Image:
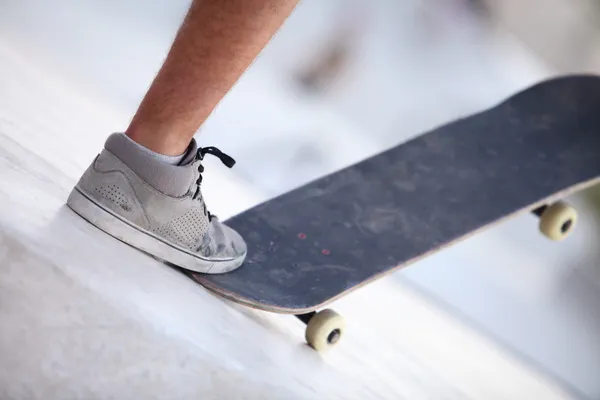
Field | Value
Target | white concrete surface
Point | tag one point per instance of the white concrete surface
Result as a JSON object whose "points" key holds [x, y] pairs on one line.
{"points": [[85, 316]]}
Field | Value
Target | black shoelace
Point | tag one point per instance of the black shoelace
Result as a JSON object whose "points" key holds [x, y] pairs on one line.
{"points": [[225, 159]]}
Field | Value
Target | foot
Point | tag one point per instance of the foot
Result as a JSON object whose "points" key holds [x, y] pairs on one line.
{"points": [[156, 207]]}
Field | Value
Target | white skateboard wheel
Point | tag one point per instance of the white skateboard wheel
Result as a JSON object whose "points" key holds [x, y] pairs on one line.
{"points": [[558, 221], [324, 330]]}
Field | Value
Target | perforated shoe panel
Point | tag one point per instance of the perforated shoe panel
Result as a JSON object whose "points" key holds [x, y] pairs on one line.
{"points": [[187, 229], [115, 195]]}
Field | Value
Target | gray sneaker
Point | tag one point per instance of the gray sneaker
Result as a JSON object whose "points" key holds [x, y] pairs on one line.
{"points": [[156, 207]]}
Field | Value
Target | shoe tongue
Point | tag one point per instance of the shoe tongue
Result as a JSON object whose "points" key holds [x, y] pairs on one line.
{"points": [[190, 154]]}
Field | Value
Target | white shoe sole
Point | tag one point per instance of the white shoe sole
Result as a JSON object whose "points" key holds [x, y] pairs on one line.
{"points": [[116, 226]]}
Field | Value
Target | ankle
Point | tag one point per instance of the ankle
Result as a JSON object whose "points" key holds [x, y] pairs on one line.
{"points": [[167, 159], [158, 142], [173, 180]]}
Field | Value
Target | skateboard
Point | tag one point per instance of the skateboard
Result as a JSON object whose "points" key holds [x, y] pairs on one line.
{"points": [[321, 241]]}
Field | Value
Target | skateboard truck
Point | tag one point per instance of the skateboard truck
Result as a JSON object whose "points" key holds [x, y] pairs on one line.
{"points": [[557, 220], [324, 329]]}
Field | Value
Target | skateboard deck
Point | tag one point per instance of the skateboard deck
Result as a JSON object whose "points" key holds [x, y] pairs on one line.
{"points": [[322, 240]]}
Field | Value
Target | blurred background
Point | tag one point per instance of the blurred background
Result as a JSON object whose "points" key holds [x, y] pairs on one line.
{"points": [[345, 79]]}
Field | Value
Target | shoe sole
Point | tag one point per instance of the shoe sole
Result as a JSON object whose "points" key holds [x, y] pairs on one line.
{"points": [[117, 227]]}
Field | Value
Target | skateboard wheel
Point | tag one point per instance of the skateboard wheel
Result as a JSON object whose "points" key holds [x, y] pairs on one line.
{"points": [[558, 220], [324, 330]]}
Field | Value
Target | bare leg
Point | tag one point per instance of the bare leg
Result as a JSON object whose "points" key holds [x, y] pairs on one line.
{"points": [[216, 43]]}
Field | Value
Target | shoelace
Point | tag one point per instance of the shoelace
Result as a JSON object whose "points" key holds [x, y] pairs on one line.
{"points": [[225, 159]]}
